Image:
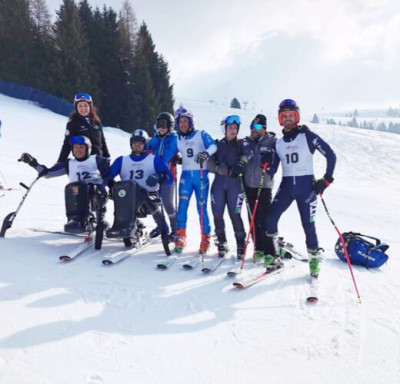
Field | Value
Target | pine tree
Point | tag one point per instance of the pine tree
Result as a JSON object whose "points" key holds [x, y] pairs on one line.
{"points": [[72, 52], [16, 42], [146, 106], [235, 103], [315, 119]]}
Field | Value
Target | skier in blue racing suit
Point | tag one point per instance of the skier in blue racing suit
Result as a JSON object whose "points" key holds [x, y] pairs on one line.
{"points": [[295, 151], [195, 147]]}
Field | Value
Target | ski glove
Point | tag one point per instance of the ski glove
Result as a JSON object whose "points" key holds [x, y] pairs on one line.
{"points": [[236, 170], [243, 160], [202, 157], [28, 159], [152, 180], [321, 184], [267, 157]]}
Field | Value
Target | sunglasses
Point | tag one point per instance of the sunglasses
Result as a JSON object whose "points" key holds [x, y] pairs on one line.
{"points": [[77, 140], [82, 97], [233, 119], [257, 127]]}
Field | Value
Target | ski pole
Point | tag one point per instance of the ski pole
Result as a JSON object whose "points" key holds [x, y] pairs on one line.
{"points": [[8, 220], [343, 245], [201, 210], [254, 214], [247, 206], [164, 234]]}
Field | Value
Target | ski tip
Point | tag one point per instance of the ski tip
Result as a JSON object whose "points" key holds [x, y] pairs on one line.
{"points": [[231, 274], [187, 266], [65, 258], [107, 262], [206, 270], [237, 285], [312, 299], [161, 266]]}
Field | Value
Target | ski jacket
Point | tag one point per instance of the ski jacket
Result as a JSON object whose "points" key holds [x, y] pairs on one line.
{"points": [[227, 155], [253, 150], [82, 126], [165, 147], [139, 168], [295, 151]]}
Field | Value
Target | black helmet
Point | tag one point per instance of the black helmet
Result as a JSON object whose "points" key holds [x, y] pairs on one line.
{"points": [[165, 120], [288, 105]]}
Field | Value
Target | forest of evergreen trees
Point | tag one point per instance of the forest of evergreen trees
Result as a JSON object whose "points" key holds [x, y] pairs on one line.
{"points": [[86, 50]]}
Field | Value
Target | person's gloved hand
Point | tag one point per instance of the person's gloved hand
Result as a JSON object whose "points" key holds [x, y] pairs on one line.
{"points": [[321, 184], [152, 180], [202, 157], [28, 159], [267, 158]]}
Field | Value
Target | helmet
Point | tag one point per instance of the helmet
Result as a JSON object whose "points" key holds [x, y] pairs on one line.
{"points": [[83, 97], [289, 105], [231, 119], [166, 120], [139, 135], [82, 140], [183, 112]]}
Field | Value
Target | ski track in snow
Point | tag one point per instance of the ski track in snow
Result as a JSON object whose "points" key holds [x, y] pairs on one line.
{"points": [[134, 323]]}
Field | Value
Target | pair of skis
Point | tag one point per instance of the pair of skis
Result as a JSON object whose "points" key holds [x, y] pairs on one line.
{"points": [[110, 257], [193, 262]]}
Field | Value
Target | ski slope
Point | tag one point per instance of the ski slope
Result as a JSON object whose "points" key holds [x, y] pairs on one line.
{"points": [[131, 323]]}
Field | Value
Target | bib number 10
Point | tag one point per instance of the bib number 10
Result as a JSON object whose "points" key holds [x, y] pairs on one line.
{"points": [[292, 158]]}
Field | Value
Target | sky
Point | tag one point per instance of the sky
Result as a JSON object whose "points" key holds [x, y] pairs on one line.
{"points": [[326, 55]]}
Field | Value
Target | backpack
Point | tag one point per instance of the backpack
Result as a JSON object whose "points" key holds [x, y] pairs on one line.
{"points": [[361, 251]]}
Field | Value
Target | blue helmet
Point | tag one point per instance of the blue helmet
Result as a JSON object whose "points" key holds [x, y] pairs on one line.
{"points": [[183, 112]]}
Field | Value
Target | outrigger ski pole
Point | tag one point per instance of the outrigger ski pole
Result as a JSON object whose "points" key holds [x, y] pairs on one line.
{"points": [[8, 220]]}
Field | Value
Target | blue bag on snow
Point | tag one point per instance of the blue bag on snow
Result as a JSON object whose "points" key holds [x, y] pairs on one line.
{"points": [[361, 251]]}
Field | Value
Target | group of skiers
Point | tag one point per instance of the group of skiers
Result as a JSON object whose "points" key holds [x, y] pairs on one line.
{"points": [[244, 172]]}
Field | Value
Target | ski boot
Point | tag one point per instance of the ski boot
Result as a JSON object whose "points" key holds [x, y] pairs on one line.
{"points": [[258, 255], [240, 240], [272, 263], [180, 240], [222, 245], [314, 259], [204, 244]]}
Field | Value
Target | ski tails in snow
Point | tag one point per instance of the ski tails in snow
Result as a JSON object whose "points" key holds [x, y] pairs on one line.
{"points": [[78, 251]]}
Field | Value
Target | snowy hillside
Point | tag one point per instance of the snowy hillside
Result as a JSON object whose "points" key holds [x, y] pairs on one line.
{"points": [[131, 323]]}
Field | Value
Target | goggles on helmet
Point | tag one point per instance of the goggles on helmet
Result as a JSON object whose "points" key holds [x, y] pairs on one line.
{"points": [[233, 119], [82, 97], [289, 104], [162, 123], [77, 140]]}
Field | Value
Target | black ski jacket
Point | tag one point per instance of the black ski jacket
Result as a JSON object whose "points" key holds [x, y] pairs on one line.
{"points": [[82, 126]]}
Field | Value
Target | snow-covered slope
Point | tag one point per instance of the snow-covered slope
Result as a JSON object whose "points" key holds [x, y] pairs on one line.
{"points": [[85, 323]]}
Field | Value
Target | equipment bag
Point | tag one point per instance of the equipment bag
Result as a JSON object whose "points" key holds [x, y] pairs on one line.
{"points": [[361, 251]]}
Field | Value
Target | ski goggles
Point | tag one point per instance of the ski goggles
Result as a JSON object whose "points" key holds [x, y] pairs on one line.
{"points": [[77, 140], [82, 97], [288, 103], [162, 123], [257, 127], [232, 119]]}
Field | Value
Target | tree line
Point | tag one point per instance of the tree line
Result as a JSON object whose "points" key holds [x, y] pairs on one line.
{"points": [[87, 50]]}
